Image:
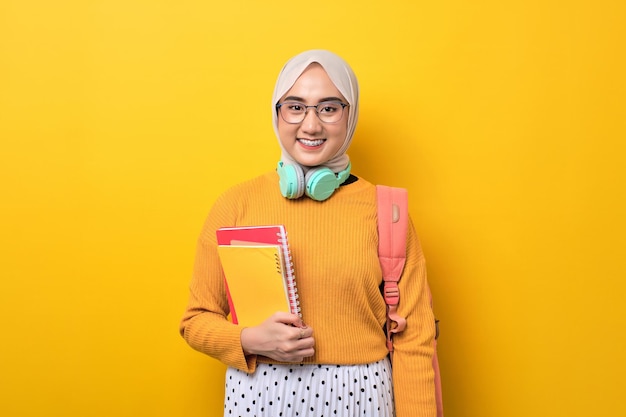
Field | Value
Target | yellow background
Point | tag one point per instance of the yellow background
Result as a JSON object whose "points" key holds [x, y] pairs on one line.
{"points": [[121, 121]]}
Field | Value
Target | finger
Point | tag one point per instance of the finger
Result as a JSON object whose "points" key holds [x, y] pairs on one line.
{"points": [[306, 332], [306, 353], [288, 318], [302, 333], [298, 334]]}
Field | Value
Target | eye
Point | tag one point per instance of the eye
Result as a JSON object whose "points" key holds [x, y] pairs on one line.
{"points": [[294, 106], [329, 107]]}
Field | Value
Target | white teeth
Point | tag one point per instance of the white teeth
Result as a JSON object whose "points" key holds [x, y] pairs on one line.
{"points": [[308, 142]]}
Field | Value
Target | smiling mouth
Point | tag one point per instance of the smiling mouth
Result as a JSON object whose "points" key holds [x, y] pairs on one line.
{"points": [[312, 142]]}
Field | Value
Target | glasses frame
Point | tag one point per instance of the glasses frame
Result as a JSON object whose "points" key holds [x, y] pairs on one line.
{"points": [[306, 110]]}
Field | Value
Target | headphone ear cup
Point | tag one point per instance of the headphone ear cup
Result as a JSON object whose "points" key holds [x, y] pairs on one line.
{"points": [[321, 183], [291, 180]]}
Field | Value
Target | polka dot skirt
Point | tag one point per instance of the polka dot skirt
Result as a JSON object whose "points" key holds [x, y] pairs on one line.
{"points": [[310, 390]]}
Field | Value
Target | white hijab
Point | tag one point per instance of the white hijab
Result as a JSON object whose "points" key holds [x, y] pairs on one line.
{"points": [[344, 79]]}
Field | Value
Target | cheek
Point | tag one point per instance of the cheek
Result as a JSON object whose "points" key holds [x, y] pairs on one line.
{"points": [[286, 133], [339, 133]]}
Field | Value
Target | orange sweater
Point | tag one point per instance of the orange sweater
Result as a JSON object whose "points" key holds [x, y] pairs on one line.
{"points": [[334, 245]]}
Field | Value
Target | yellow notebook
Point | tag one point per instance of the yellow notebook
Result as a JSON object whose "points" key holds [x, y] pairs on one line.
{"points": [[256, 283]]}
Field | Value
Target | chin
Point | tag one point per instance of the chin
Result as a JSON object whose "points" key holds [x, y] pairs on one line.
{"points": [[308, 162]]}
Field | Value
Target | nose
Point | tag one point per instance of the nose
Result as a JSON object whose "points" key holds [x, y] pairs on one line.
{"points": [[311, 122]]}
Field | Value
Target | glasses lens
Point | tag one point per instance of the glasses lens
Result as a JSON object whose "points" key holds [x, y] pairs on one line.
{"points": [[292, 111], [330, 111]]}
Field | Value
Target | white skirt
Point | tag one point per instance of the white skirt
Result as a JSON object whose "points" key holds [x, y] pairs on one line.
{"points": [[310, 390]]}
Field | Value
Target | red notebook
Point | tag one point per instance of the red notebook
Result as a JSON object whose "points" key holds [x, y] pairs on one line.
{"points": [[263, 236]]}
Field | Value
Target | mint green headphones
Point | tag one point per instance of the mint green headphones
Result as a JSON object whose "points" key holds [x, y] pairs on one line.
{"points": [[318, 183]]}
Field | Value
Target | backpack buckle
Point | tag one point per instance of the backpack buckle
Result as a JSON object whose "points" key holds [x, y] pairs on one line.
{"points": [[391, 293]]}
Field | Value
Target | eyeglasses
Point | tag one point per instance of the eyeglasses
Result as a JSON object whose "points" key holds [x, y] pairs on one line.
{"points": [[294, 112]]}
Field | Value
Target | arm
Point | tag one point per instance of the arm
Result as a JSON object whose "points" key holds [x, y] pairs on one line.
{"points": [[205, 326]]}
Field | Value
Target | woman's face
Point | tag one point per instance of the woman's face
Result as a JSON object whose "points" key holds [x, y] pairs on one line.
{"points": [[313, 142]]}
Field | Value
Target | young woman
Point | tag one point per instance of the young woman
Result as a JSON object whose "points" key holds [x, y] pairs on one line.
{"points": [[337, 363]]}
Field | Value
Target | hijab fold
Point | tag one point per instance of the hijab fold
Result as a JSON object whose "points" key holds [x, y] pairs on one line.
{"points": [[344, 79]]}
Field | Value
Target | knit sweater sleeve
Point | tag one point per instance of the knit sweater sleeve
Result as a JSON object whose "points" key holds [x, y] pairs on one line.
{"points": [[205, 325], [413, 375]]}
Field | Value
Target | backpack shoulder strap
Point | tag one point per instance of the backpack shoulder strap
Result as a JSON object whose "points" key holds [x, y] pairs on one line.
{"points": [[393, 218], [392, 229]]}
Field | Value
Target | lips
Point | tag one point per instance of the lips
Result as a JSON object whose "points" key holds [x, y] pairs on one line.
{"points": [[311, 143]]}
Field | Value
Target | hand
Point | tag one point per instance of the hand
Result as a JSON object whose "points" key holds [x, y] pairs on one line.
{"points": [[282, 337]]}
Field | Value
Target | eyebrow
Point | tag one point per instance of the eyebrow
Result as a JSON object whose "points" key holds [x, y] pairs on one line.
{"points": [[300, 99]]}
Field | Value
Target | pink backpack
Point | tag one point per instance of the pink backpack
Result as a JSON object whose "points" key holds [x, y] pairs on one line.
{"points": [[393, 216]]}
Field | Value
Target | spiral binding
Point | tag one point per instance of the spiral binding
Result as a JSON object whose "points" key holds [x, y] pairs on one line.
{"points": [[292, 290], [278, 265]]}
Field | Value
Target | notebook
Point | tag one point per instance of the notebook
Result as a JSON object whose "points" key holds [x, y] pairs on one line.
{"points": [[259, 236], [256, 283]]}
